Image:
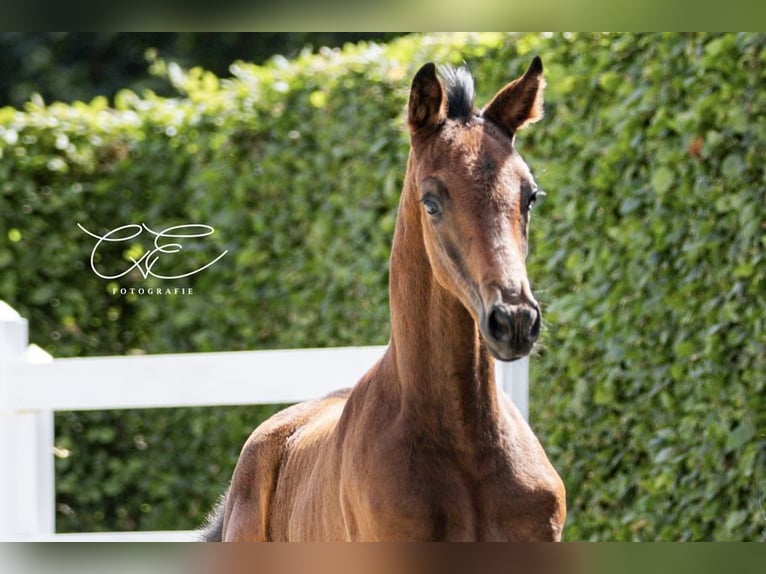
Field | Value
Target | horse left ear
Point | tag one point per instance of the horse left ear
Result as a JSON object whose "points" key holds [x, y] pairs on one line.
{"points": [[426, 105], [519, 103]]}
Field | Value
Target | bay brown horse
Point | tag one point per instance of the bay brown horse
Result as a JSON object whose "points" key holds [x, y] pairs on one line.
{"points": [[425, 446]]}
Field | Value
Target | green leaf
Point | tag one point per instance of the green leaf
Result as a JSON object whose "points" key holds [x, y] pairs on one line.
{"points": [[740, 436], [603, 393], [735, 519], [733, 165], [662, 179], [664, 455]]}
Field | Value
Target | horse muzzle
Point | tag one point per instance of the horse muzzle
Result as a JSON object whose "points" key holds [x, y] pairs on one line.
{"points": [[510, 330]]}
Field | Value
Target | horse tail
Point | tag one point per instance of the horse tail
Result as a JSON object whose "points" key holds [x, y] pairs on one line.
{"points": [[213, 529]]}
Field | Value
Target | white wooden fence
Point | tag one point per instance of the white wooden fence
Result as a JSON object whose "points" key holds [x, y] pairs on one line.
{"points": [[33, 385]]}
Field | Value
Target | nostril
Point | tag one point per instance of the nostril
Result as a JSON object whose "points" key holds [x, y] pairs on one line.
{"points": [[534, 332], [500, 324]]}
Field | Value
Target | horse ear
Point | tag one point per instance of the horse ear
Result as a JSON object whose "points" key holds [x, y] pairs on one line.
{"points": [[519, 103], [426, 106]]}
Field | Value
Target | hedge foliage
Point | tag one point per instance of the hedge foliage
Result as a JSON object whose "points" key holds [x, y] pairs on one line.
{"points": [[68, 66], [651, 252], [647, 253]]}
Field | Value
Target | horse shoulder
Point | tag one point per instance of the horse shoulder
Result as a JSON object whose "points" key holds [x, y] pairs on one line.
{"points": [[250, 513]]}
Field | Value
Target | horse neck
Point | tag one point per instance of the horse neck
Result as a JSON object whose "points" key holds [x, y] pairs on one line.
{"points": [[444, 372]]}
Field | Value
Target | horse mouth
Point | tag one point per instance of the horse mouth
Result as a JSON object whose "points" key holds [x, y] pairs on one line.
{"points": [[507, 355]]}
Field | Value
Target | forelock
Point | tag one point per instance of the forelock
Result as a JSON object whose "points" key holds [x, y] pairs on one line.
{"points": [[459, 86]]}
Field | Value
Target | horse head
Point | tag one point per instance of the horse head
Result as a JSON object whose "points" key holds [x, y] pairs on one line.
{"points": [[475, 195]]}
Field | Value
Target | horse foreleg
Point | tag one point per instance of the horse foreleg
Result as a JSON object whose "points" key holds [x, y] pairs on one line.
{"points": [[248, 503]]}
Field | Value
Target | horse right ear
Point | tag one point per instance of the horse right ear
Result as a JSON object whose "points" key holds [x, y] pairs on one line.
{"points": [[426, 106], [519, 103]]}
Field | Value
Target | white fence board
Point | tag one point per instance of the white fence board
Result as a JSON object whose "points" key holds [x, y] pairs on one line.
{"points": [[193, 379]]}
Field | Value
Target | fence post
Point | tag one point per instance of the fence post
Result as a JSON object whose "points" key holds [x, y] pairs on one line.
{"points": [[513, 378], [26, 445]]}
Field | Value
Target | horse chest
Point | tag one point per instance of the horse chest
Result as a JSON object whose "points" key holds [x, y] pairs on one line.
{"points": [[520, 504], [438, 496], [514, 508]]}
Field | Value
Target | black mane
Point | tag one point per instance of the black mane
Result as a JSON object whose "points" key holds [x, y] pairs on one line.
{"points": [[458, 83]]}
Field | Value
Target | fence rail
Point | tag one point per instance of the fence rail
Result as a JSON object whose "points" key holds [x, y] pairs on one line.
{"points": [[33, 385]]}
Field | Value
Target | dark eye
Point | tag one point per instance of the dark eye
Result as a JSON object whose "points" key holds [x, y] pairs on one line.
{"points": [[432, 205], [533, 195]]}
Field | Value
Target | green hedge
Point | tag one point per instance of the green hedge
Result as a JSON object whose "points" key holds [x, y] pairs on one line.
{"points": [[651, 255], [647, 253]]}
